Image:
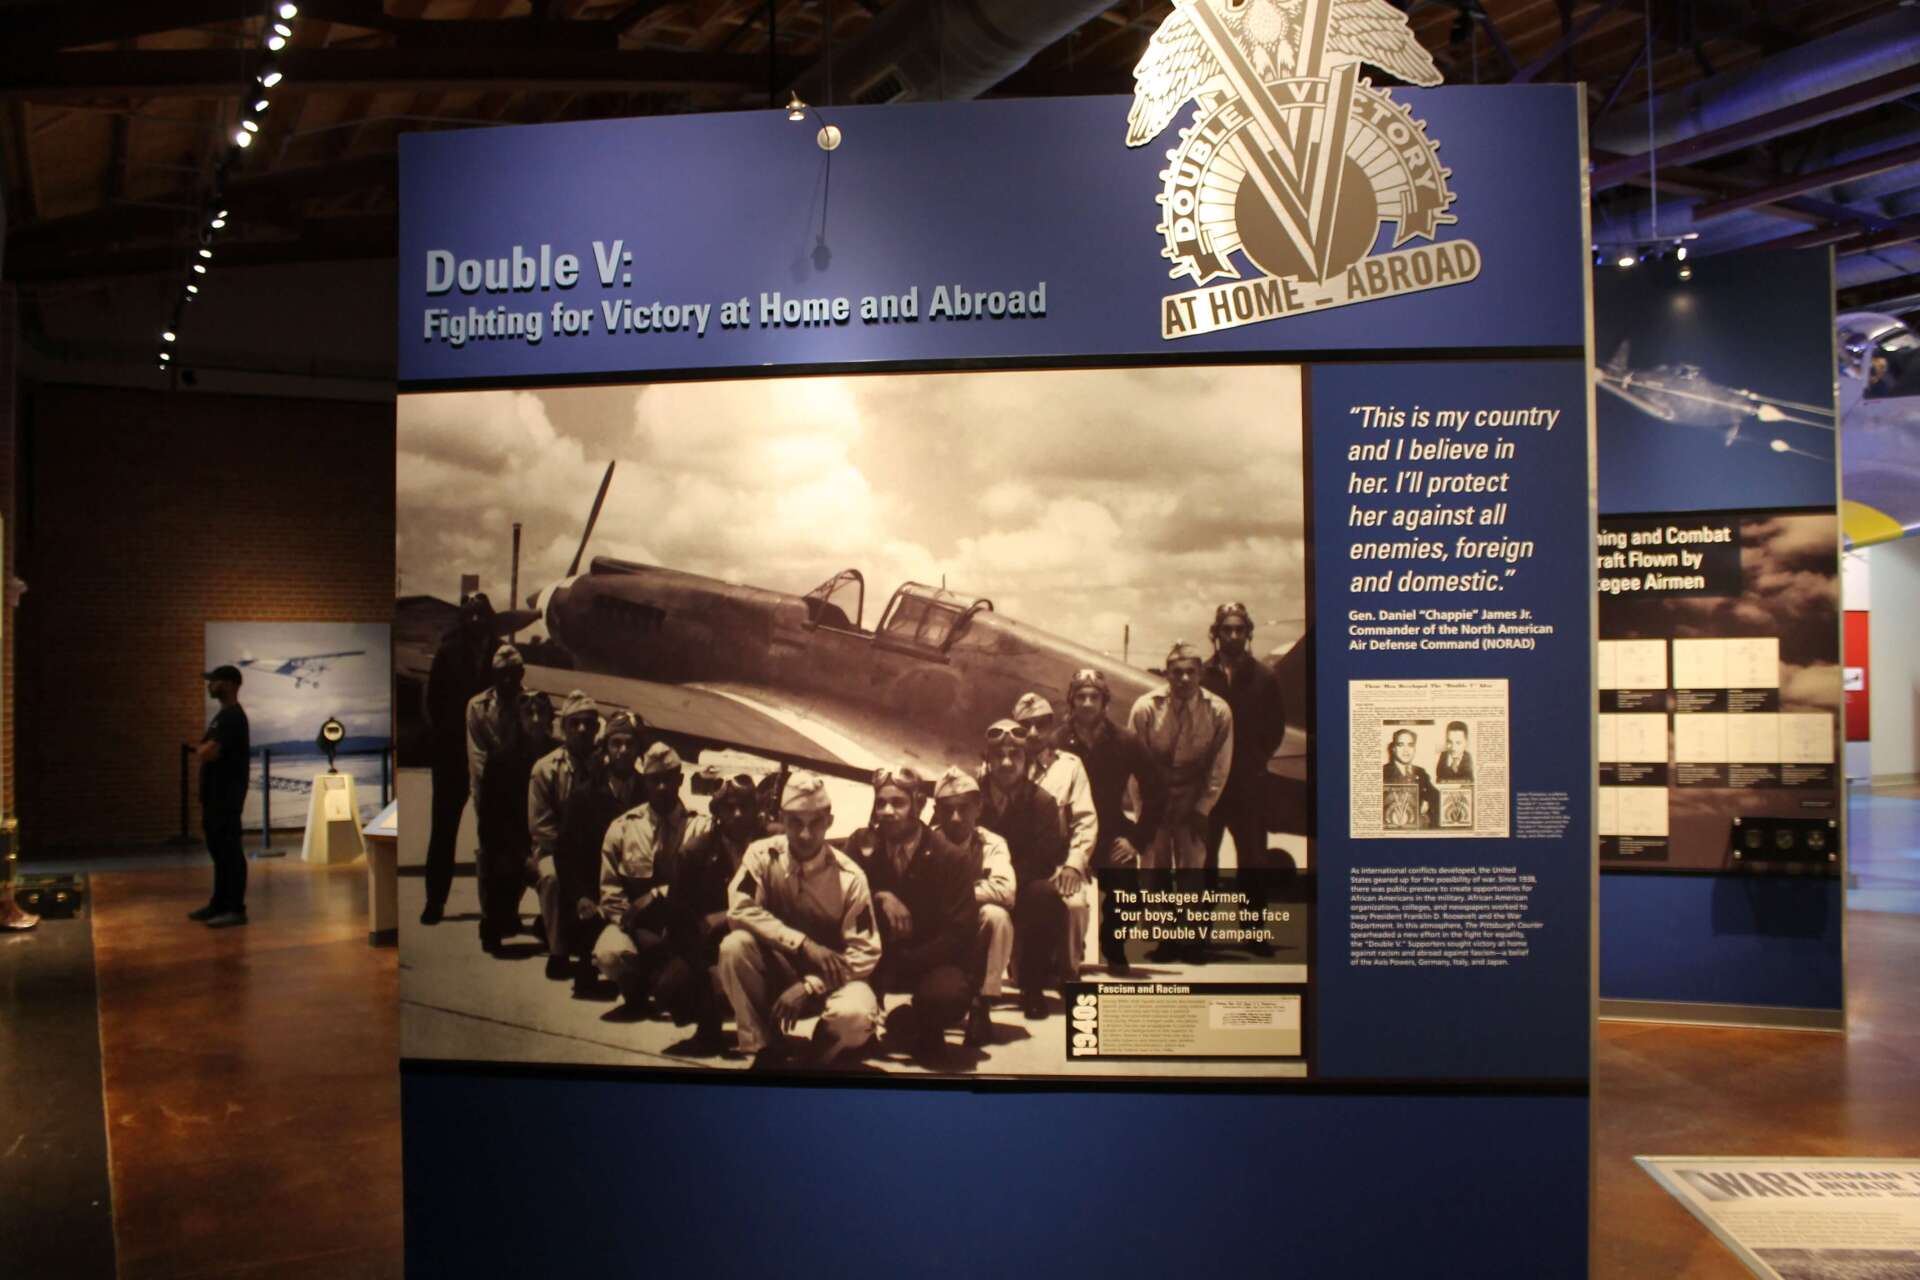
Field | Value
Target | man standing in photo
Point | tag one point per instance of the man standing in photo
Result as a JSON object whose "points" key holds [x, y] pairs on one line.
{"points": [[461, 670], [223, 791], [557, 777]]}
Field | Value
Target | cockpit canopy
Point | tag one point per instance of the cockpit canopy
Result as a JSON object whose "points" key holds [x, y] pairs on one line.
{"points": [[1882, 354], [918, 616]]}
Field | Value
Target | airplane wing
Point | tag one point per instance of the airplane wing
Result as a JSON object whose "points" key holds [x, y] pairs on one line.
{"points": [[754, 720]]}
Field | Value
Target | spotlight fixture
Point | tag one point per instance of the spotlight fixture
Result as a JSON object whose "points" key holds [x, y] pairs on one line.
{"points": [[217, 223], [289, 11], [796, 109], [222, 215], [199, 268], [241, 138], [270, 75], [193, 289], [166, 335], [206, 253], [1780, 446], [1625, 260], [259, 106], [251, 126], [276, 42], [1681, 253], [282, 30], [1686, 273], [166, 355]]}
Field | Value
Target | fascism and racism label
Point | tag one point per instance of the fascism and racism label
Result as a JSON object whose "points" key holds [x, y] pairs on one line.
{"points": [[1292, 161]]}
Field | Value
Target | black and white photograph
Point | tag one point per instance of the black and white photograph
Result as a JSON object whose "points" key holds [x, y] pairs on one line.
{"points": [[809, 724], [1429, 758], [295, 676]]}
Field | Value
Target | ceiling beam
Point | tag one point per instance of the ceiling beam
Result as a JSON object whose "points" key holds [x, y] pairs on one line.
{"points": [[62, 24], [369, 236], [151, 73], [1772, 124], [1565, 43], [1866, 167]]}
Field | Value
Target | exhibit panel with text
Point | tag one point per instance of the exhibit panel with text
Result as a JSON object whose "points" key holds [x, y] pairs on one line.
{"points": [[830, 463]]}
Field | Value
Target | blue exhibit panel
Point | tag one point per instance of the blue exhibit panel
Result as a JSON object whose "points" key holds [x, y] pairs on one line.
{"points": [[1739, 940], [702, 210], [513, 1175], [1528, 1016]]}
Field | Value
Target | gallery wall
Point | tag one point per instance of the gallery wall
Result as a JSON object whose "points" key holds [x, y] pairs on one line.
{"points": [[144, 516]]}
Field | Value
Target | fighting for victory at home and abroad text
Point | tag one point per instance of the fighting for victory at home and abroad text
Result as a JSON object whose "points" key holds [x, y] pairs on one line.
{"points": [[610, 265]]}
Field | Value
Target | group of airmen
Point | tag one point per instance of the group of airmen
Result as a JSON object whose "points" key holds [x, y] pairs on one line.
{"points": [[750, 911]]}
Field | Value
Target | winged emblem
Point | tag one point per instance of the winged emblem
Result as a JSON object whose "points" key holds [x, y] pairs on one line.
{"points": [[1178, 63]]}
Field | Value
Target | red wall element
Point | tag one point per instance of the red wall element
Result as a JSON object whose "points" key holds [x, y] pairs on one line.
{"points": [[1854, 658]]}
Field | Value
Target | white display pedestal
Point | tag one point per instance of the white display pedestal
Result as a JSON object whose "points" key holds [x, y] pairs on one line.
{"points": [[383, 884], [333, 822]]}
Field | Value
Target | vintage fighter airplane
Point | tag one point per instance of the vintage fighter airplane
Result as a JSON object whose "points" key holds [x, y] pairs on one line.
{"points": [[304, 669], [800, 679], [1879, 427], [1682, 393]]}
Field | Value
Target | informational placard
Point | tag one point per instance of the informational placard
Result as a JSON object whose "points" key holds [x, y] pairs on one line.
{"points": [[1720, 683], [1793, 1218]]}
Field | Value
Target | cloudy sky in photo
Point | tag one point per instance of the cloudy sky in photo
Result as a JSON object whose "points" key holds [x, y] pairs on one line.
{"points": [[1080, 502]]}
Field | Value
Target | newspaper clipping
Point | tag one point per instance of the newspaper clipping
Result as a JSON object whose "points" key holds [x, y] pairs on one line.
{"points": [[1428, 758], [1836, 1218]]}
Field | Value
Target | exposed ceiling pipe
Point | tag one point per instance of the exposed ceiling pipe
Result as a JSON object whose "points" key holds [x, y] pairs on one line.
{"points": [[927, 50], [1876, 47]]}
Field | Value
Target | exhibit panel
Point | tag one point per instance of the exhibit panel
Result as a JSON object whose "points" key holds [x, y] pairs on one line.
{"points": [[1720, 671], [980, 706]]}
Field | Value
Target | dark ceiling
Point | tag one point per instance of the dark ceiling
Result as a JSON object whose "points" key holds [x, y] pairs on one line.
{"points": [[1777, 121]]}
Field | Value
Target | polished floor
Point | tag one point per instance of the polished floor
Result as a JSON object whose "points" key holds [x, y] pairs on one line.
{"points": [[251, 1080], [251, 1098]]}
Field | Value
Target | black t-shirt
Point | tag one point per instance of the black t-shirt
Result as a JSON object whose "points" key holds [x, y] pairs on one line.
{"points": [[223, 782]]}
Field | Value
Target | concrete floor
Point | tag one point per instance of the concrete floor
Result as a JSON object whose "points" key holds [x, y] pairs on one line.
{"points": [[252, 1101]]}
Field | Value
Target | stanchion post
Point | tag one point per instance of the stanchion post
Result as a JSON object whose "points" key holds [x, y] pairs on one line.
{"points": [[186, 829]]}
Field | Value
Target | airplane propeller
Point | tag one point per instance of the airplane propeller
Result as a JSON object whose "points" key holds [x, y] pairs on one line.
{"points": [[593, 518]]}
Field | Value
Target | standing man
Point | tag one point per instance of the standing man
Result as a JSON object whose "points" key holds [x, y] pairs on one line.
{"points": [[1112, 759], [636, 874], [612, 786], [461, 670], [956, 815], [804, 939], [1252, 692], [1456, 762], [922, 887], [1401, 770], [1027, 818], [1187, 737], [500, 756], [223, 753], [557, 777], [1062, 775]]}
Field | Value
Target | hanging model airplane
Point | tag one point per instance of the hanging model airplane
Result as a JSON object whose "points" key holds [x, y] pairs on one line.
{"points": [[304, 669], [1879, 371], [1682, 393], [799, 678]]}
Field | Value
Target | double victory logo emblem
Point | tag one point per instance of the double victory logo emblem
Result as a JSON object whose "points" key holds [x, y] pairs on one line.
{"points": [[1292, 161]]}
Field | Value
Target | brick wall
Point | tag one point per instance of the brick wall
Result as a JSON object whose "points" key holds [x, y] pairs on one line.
{"points": [[145, 516], [9, 310]]}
